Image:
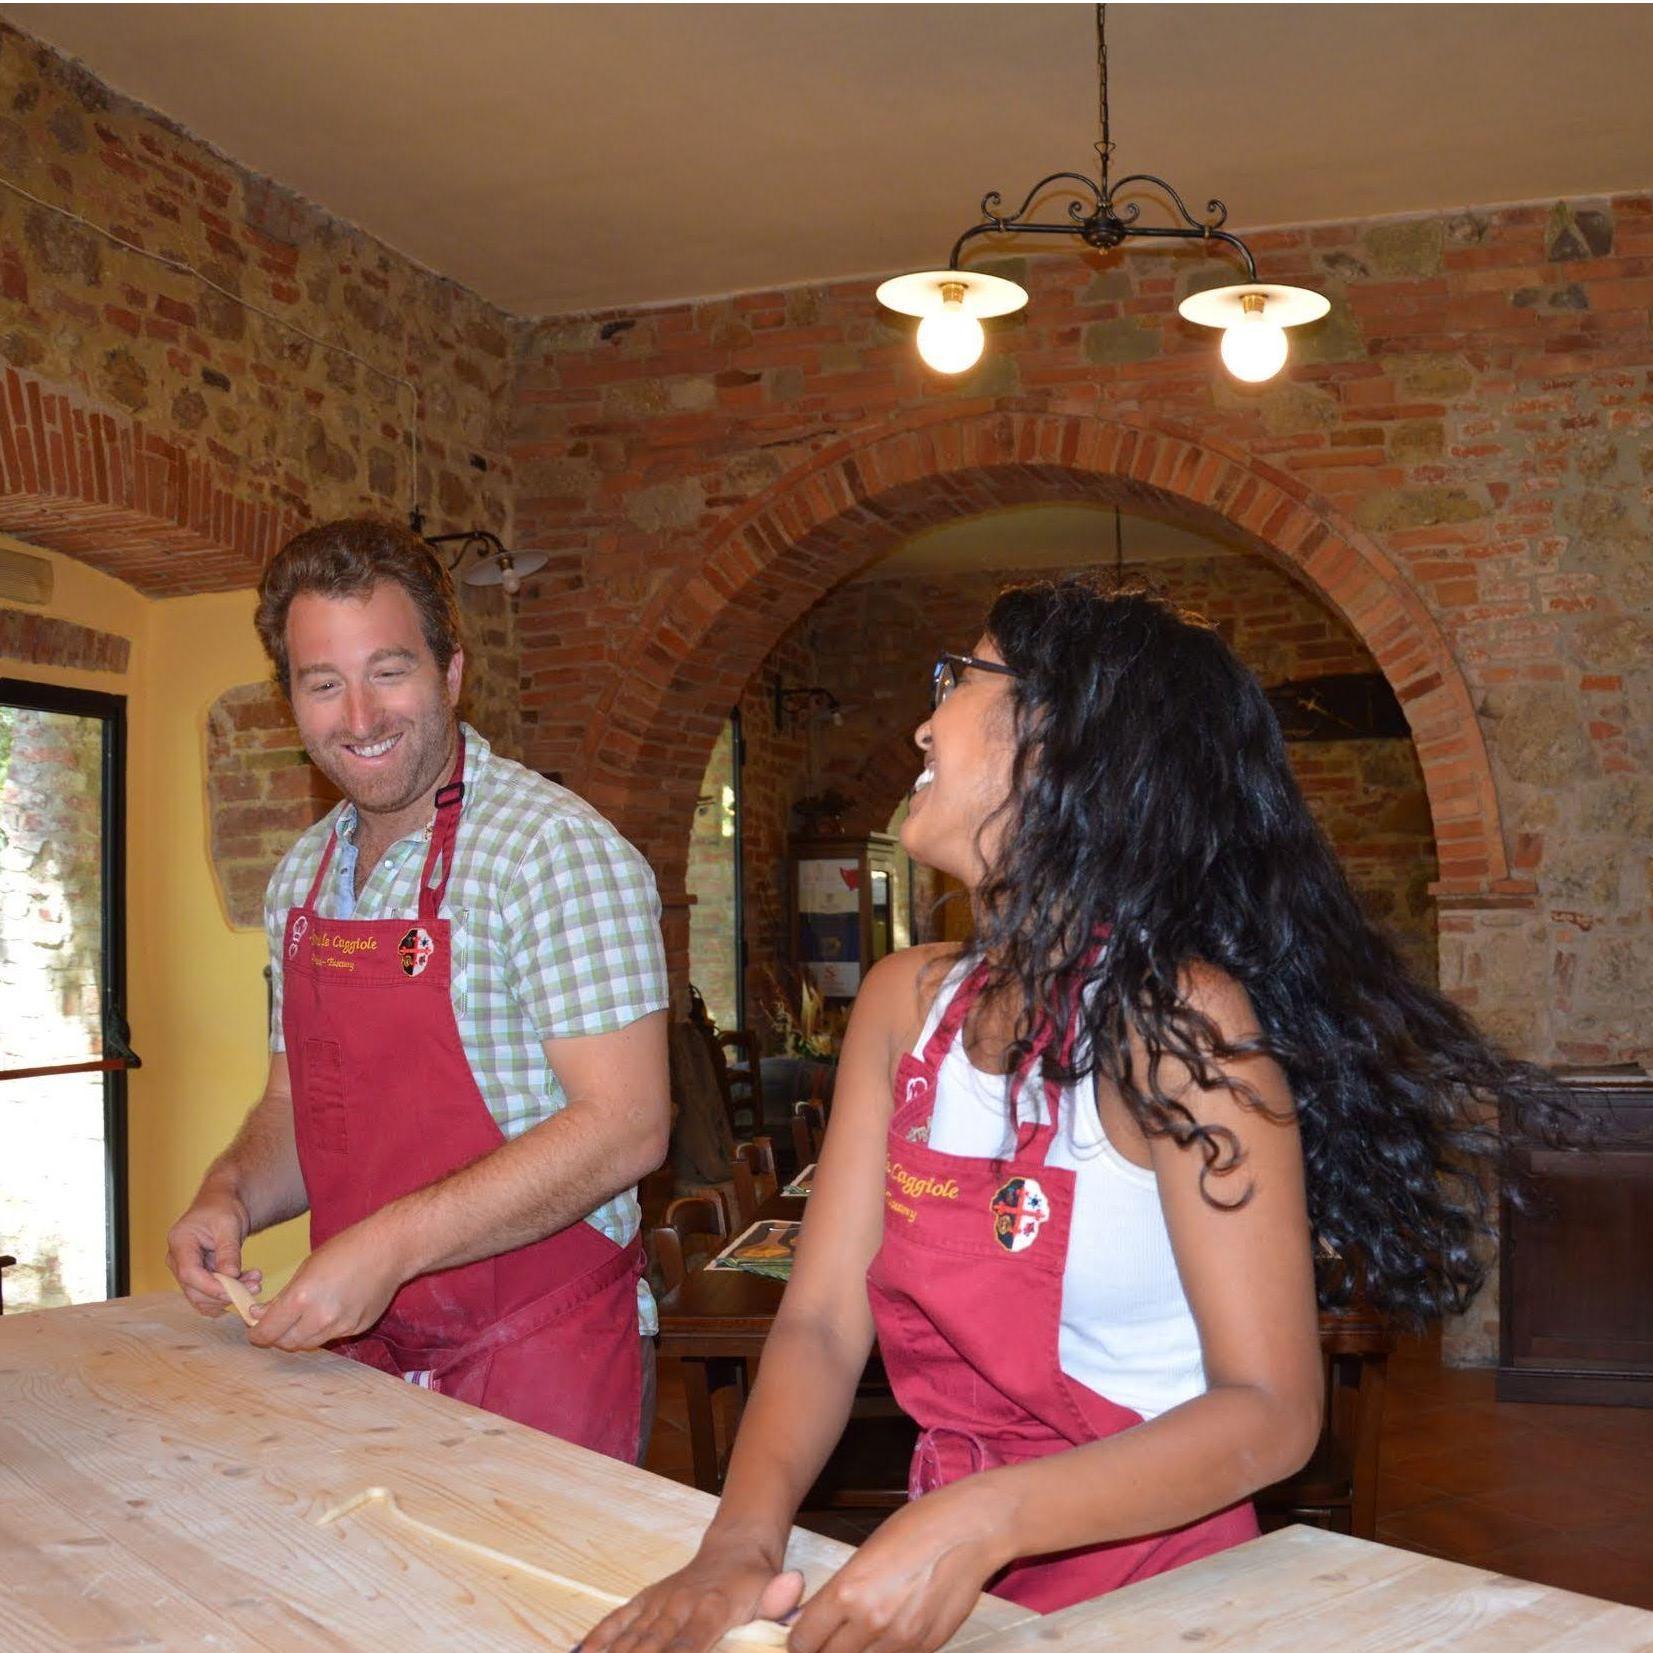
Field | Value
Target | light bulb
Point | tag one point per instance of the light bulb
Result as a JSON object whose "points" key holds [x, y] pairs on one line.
{"points": [[1254, 349], [509, 578], [950, 339]]}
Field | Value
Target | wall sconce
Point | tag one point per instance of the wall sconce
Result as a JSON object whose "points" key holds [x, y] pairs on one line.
{"points": [[807, 700], [495, 564]]}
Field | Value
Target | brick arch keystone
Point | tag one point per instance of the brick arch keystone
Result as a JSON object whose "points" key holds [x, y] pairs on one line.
{"points": [[706, 633]]}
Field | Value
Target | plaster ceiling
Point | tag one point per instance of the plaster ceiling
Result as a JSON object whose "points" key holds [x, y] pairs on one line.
{"points": [[563, 157], [1045, 537]]}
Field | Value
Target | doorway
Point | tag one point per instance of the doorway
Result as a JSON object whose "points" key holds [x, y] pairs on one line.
{"points": [[64, 1053]]}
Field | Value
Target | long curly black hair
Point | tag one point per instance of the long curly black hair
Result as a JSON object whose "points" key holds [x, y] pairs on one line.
{"points": [[1152, 794]]}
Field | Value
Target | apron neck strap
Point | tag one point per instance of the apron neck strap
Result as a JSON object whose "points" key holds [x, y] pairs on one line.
{"points": [[952, 1018], [321, 871], [1028, 1132], [450, 799]]}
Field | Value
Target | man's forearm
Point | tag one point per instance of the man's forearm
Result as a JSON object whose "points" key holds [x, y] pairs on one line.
{"points": [[260, 1167], [554, 1174]]}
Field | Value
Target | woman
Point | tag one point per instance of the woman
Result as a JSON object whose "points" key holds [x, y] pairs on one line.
{"points": [[1077, 1173]]}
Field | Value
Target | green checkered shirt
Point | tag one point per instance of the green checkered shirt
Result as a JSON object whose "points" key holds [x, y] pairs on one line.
{"points": [[556, 935]]}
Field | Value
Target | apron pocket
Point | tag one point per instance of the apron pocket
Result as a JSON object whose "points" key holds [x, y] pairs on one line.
{"points": [[322, 1088]]}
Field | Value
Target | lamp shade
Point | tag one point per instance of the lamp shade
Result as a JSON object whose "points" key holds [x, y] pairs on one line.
{"points": [[924, 293], [508, 569], [1225, 306]]}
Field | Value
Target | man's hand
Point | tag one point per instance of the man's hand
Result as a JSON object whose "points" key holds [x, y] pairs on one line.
{"points": [[208, 1237], [340, 1289]]}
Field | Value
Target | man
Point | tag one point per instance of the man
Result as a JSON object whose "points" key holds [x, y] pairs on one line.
{"points": [[468, 1055]]}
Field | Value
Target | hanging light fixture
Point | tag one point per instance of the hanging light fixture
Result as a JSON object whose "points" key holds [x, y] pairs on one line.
{"points": [[494, 564], [952, 303]]}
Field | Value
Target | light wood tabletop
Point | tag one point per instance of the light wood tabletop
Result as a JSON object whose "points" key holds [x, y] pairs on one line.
{"points": [[161, 1483], [1303, 1591]]}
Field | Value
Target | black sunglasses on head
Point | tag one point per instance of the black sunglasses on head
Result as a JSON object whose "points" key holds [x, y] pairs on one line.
{"points": [[950, 668]]}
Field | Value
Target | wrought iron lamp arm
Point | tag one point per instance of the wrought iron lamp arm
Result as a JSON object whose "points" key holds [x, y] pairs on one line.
{"points": [[1104, 226], [491, 544]]}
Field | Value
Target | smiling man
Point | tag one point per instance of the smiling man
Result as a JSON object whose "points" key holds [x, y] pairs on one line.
{"points": [[468, 1057]]}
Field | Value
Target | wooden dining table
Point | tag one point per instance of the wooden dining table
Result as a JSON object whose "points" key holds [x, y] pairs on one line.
{"points": [[715, 1322]]}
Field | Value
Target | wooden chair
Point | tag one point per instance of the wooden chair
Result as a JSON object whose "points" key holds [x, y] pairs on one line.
{"points": [[754, 1176], [695, 1228], [743, 1072], [808, 1132], [868, 1467], [1337, 1488], [5, 1263]]}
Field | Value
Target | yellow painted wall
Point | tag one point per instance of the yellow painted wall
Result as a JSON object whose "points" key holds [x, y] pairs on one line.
{"points": [[195, 986]]}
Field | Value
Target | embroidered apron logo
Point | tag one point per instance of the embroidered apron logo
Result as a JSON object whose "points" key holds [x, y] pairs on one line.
{"points": [[415, 950], [336, 950], [300, 925], [1019, 1212], [915, 1188], [916, 1087]]}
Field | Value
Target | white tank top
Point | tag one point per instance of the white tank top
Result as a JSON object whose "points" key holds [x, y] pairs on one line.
{"points": [[1127, 1331]]}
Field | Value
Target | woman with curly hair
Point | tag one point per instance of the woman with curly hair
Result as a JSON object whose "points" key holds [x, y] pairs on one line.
{"points": [[1079, 1170]]}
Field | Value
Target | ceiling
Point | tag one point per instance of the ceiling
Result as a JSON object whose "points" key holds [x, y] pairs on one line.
{"points": [[564, 157], [1044, 537]]}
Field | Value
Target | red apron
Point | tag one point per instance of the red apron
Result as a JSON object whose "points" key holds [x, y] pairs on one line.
{"points": [[384, 1103], [966, 1294]]}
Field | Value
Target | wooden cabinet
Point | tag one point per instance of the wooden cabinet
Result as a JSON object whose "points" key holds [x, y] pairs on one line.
{"points": [[849, 908], [1576, 1268]]}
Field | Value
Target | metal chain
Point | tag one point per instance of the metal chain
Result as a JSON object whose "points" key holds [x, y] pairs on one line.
{"points": [[1104, 148]]}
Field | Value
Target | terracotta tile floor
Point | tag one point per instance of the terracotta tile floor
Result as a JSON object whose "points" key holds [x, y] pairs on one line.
{"points": [[1559, 1494]]}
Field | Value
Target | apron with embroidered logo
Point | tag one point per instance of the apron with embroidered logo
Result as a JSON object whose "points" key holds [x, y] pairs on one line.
{"points": [[966, 1294], [385, 1103]]}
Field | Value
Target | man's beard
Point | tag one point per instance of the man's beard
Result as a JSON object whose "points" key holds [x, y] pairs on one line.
{"points": [[416, 765]]}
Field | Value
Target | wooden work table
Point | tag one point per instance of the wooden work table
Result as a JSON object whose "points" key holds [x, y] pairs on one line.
{"points": [[160, 1483], [161, 1480], [1302, 1590]]}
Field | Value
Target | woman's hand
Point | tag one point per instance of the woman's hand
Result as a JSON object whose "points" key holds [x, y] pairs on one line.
{"points": [[689, 1611], [914, 1582]]}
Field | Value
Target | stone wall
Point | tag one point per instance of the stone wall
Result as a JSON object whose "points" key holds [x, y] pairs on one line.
{"points": [[1456, 460], [233, 392], [172, 436]]}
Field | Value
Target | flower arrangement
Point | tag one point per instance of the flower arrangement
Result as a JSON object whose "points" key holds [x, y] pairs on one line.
{"points": [[812, 1031]]}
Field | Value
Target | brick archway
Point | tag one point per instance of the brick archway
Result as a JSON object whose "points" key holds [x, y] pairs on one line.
{"points": [[703, 636], [126, 498]]}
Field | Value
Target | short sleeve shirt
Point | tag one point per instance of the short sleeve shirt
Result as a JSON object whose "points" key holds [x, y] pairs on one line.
{"points": [[555, 925]]}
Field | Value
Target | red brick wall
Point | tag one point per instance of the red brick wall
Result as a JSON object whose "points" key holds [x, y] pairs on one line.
{"points": [[1455, 460], [262, 792], [778, 771], [41, 640]]}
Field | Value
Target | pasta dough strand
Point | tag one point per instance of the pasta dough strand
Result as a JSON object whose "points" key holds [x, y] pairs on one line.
{"points": [[238, 1295], [758, 1633]]}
